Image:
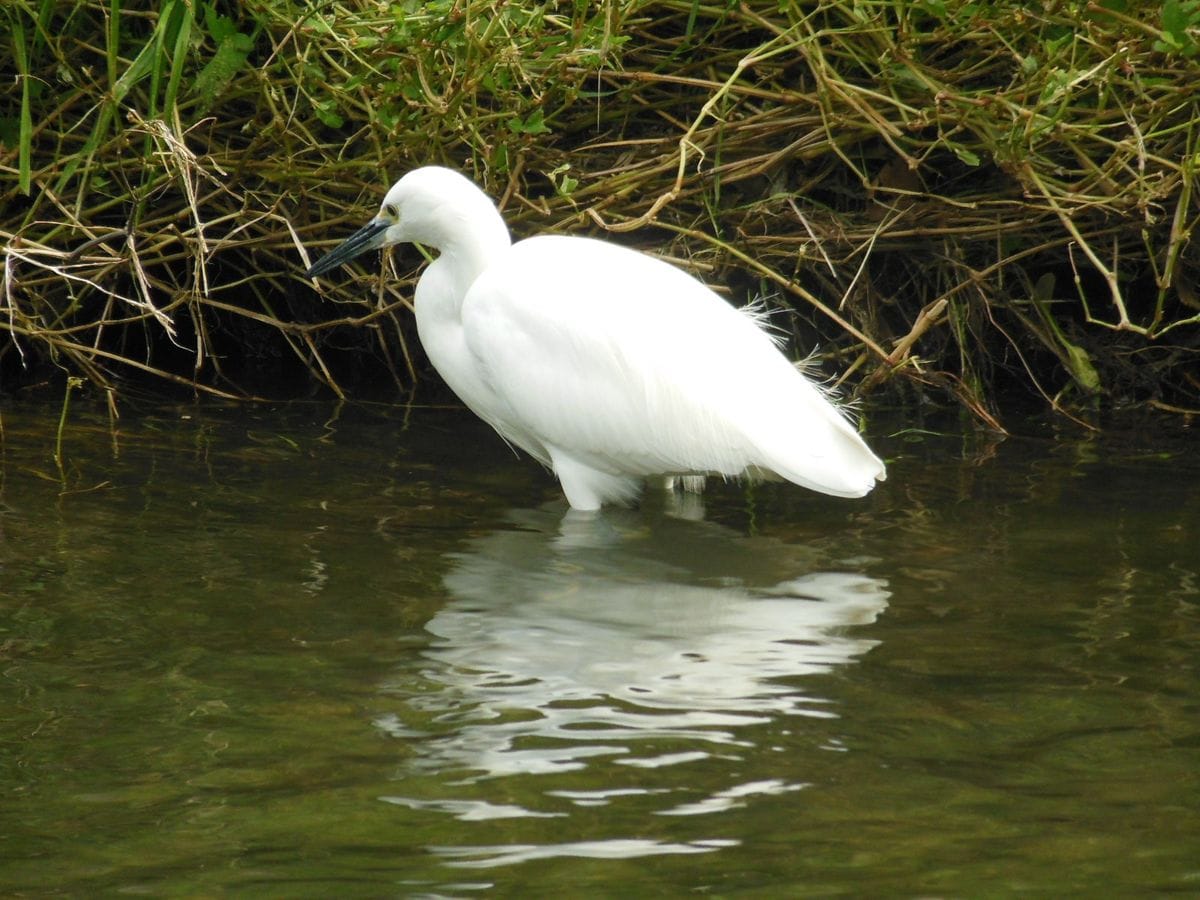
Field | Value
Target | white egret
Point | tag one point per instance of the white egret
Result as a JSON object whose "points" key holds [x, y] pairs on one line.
{"points": [[603, 363]]}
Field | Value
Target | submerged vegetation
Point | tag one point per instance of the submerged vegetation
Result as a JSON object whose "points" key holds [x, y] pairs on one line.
{"points": [[956, 198]]}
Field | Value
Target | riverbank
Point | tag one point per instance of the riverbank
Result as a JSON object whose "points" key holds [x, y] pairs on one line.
{"points": [[966, 206]]}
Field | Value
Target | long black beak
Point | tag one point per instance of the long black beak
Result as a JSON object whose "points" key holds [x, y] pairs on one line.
{"points": [[369, 237]]}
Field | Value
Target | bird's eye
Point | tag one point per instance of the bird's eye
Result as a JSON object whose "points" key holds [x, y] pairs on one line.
{"points": [[390, 211]]}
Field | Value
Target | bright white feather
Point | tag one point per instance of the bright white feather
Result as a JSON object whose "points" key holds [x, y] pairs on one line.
{"points": [[604, 363]]}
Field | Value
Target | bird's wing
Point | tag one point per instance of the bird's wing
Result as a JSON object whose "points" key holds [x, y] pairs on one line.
{"points": [[633, 366]]}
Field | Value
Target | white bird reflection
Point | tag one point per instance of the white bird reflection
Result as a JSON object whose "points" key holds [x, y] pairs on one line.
{"points": [[585, 637]]}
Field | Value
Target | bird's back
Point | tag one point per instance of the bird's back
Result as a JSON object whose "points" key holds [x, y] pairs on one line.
{"points": [[630, 366]]}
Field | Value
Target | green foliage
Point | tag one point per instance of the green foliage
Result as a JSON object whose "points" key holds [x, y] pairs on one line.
{"points": [[911, 175], [24, 131], [229, 61], [445, 75], [1179, 20]]}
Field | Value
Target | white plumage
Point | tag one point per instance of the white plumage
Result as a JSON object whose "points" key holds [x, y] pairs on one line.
{"points": [[606, 364]]}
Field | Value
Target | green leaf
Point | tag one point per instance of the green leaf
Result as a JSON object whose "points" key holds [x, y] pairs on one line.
{"points": [[534, 123], [328, 115], [1175, 22], [564, 184], [225, 65], [25, 126], [970, 157], [219, 27], [1079, 364], [1074, 358], [388, 117]]}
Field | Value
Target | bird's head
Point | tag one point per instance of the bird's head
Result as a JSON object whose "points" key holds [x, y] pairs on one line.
{"points": [[430, 205]]}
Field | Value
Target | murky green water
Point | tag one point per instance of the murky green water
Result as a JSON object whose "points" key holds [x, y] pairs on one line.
{"points": [[292, 652]]}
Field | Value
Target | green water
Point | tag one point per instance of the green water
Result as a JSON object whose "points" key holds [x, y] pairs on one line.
{"points": [[306, 651]]}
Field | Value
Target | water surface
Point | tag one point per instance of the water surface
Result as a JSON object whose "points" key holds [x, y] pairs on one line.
{"points": [[308, 650]]}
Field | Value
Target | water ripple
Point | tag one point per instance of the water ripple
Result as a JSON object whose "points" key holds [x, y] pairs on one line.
{"points": [[652, 644]]}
